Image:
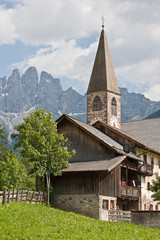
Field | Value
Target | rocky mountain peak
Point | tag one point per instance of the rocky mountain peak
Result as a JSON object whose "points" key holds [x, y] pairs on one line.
{"points": [[47, 79], [14, 79], [30, 77], [3, 82], [23, 94]]}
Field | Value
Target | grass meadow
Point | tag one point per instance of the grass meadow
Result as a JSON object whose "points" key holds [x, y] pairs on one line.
{"points": [[23, 221]]}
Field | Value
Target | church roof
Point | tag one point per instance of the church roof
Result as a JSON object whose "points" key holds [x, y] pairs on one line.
{"points": [[103, 76], [103, 165], [147, 130]]}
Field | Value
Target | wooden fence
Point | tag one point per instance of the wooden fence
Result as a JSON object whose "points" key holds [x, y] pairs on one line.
{"points": [[22, 195], [119, 216]]}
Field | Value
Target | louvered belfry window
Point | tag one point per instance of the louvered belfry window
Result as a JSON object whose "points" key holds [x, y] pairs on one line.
{"points": [[97, 105], [114, 107]]}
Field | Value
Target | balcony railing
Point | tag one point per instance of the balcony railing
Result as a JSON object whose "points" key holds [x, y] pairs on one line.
{"points": [[127, 191], [147, 169]]}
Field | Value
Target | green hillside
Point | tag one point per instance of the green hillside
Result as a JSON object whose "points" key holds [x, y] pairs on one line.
{"points": [[154, 115], [25, 221]]}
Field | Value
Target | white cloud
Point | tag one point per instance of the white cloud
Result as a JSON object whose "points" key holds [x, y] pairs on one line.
{"points": [[145, 72], [153, 92], [133, 31], [38, 22], [7, 28], [63, 59], [144, 76]]}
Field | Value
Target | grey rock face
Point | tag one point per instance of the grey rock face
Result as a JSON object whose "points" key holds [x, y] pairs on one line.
{"points": [[49, 93], [20, 95], [29, 85], [3, 82], [136, 106], [13, 99]]}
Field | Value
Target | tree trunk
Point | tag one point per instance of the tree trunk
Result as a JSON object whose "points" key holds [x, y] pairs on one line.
{"points": [[48, 188]]}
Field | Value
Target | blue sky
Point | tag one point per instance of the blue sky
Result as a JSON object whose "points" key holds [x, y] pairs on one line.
{"points": [[61, 36]]}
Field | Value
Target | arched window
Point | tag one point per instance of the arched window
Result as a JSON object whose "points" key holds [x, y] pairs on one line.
{"points": [[114, 107], [97, 105]]}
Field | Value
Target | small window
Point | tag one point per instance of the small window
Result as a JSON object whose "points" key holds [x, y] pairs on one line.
{"points": [[151, 207], [145, 207], [124, 207], [145, 158], [148, 186], [112, 204], [97, 105], [152, 161], [114, 107], [105, 204]]}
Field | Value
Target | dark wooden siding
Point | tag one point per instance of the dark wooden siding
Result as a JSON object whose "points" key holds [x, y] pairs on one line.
{"points": [[76, 183], [109, 183], [87, 147]]}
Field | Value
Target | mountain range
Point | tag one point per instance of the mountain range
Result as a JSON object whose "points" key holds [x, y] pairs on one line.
{"points": [[19, 95]]}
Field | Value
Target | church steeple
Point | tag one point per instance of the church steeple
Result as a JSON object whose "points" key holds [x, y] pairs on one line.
{"points": [[103, 90], [103, 76]]}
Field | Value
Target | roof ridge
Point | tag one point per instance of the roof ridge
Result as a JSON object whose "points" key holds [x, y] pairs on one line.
{"points": [[96, 133], [144, 119]]}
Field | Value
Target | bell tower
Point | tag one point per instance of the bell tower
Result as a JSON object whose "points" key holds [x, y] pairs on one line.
{"points": [[103, 94]]}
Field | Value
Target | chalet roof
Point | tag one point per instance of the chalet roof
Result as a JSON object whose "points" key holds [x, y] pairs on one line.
{"points": [[121, 132], [106, 140], [145, 133], [103, 165], [147, 130], [103, 76]]}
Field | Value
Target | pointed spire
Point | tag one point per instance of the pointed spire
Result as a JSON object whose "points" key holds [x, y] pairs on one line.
{"points": [[103, 76], [103, 22]]}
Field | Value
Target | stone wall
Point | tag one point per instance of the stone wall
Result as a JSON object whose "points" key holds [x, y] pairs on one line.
{"points": [[146, 218], [93, 116], [85, 204], [104, 114], [114, 121]]}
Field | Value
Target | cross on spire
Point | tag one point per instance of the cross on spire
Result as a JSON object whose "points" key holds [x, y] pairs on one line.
{"points": [[103, 21]]}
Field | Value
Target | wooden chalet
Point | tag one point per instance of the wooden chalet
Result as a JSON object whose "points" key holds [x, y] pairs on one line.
{"points": [[113, 167], [101, 176]]}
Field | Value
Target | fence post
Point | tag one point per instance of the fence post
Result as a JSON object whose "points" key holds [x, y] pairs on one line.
{"points": [[8, 199], [4, 197], [13, 194], [21, 195], [32, 196], [27, 195], [17, 195], [37, 198], [41, 197]]}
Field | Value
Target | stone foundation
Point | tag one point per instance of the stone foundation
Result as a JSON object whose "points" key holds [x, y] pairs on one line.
{"points": [[87, 204]]}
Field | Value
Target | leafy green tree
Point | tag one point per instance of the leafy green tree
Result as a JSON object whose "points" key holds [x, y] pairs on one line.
{"points": [[156, 188], [40, 144], [3, 142], [11, 171]]}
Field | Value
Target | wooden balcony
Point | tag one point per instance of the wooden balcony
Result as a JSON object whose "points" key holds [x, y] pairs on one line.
{"points": [[129, 192], [147, 170]]}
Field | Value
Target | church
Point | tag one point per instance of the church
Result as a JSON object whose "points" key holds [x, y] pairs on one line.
{"points": [[115, 162]]}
